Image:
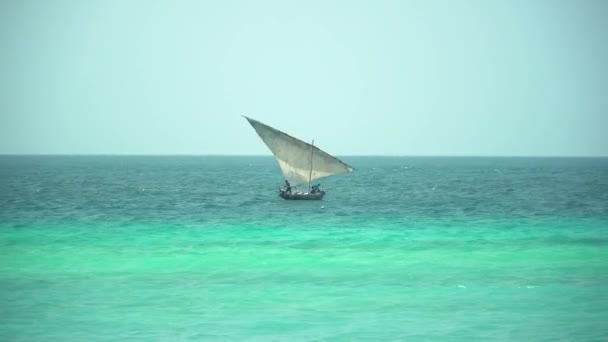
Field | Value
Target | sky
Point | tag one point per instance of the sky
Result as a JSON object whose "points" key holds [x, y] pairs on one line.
{"points": [[463, 78]]}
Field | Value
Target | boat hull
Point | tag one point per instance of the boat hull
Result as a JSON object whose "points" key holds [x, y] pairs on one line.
{"points": [[302, 195]]}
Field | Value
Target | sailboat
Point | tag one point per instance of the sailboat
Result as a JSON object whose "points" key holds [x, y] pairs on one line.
{"points": [[301, 162]]}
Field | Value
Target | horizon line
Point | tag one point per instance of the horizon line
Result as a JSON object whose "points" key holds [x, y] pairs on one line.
{"points": [[270, 155]]}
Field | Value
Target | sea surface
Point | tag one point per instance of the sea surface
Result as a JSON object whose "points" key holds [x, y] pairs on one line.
{"points": [[197, 248]]}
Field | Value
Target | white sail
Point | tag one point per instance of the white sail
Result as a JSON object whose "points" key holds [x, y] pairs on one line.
{"points": [[294, 156]]}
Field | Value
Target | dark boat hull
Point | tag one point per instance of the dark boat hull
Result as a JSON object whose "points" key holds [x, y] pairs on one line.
{"points": [[301, 195]]}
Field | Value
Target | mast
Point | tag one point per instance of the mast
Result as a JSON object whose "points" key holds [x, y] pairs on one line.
{"points": [[312, 148]]}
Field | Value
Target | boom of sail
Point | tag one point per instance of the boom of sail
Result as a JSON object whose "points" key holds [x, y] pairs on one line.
{"points": [[299, 161]]}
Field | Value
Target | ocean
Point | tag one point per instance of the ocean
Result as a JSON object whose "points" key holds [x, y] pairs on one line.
{"points": [[197, 248]]}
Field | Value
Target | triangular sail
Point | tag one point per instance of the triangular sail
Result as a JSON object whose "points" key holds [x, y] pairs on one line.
{"points": [[294, 156]]}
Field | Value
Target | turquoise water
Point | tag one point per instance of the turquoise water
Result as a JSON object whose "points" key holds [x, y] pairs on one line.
{"points": [[202, 248]]}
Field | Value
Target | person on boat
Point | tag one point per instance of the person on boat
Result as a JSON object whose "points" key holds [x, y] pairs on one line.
{"points": [[315, 188], [287, 186]]}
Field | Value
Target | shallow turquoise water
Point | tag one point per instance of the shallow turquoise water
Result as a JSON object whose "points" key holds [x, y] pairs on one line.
{"points": [[202, 248]]}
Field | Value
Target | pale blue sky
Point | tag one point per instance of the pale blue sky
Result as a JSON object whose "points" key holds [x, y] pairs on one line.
{"points": [[360, 77]]}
